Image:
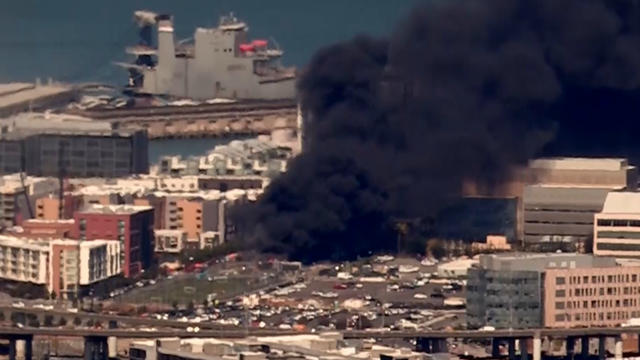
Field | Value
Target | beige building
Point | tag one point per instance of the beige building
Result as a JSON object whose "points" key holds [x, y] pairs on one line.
{"points": [[588, 297], [48, 208], [62, 266], [617, 228], [170, 241], [564, 193]]}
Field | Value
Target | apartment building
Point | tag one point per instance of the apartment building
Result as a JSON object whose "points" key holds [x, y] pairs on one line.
{"points": [[170, 241], [66, 267], [18, 196], [24, 260], [617, 228], [527, 290], [131, 226], [48, 207], [198, 215], [46, 229]]}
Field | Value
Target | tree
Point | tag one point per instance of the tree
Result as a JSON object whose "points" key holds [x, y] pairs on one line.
{"points": [[191, 306], [77, 321], [205, 303], [62, 321], [435, 248], [174, 304], [52, 295], [48, 321]]}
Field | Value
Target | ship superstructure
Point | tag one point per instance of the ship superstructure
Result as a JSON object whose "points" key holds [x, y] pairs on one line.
{"points": [[218, 62]]}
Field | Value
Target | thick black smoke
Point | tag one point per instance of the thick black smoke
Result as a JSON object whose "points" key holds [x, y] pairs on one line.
{"points": [[460, 92]]}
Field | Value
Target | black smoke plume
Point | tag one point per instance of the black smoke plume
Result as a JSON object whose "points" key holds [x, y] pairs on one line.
{"points": [[461, 91]]}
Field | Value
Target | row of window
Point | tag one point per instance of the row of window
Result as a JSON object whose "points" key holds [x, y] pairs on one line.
{"points": [[593, 316], [595, 304], [618, 235], [617, 247], [598, 279], [616, 222]]}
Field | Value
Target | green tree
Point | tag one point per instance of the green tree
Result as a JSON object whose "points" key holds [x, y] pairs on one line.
{"points": [[77, 321], [436, 248], [191, 306]]}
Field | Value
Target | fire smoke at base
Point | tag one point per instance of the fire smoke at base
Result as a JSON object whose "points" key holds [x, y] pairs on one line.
{"points": [[461, 91]]}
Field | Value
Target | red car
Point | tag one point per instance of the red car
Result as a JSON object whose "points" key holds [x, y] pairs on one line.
{"points": [[340, 286]]}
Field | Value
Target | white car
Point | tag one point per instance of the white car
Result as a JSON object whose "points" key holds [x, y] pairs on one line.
{"points": [[420, 296], [72, 310], [487, 328], [18, 304]]}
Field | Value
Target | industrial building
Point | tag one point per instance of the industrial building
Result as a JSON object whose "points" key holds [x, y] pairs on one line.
{"points": [[617, 228], [564, 193], [526, 290], [219, 62], [43, 144]]}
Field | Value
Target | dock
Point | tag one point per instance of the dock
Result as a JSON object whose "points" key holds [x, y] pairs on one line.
{"points": [[20, 97], [205, 120]]}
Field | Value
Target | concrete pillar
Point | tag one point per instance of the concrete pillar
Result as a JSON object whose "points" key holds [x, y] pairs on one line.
{"points": [[439, 346], [522, 342], [20, 348], [95, 348], [12, 348], [602, 352], [495, 347], [511, 348], [570, 343], [584, 345], [112, 343], [537, 347], [618, 348]]}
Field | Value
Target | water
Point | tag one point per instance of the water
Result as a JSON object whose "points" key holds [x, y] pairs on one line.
{"points": [[77, 40]]}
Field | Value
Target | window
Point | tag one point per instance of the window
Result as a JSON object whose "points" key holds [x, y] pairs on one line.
{"points": [[560, 317], [560, 281], [585, 279], [560, 293], [604, 222], [559, 305]]}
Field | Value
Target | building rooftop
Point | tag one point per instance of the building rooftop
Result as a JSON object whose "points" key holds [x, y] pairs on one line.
{"points": [[569, 163], [169, 232], [25, 124], [114, 209], [622, 203], [516, 261]]}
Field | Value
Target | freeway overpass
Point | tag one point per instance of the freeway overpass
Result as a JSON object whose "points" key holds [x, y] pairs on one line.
{"points": [[498, 333], [98, 341]]}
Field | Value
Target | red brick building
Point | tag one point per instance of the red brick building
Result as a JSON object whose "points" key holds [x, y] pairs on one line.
{"points": [[131, 225]]}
